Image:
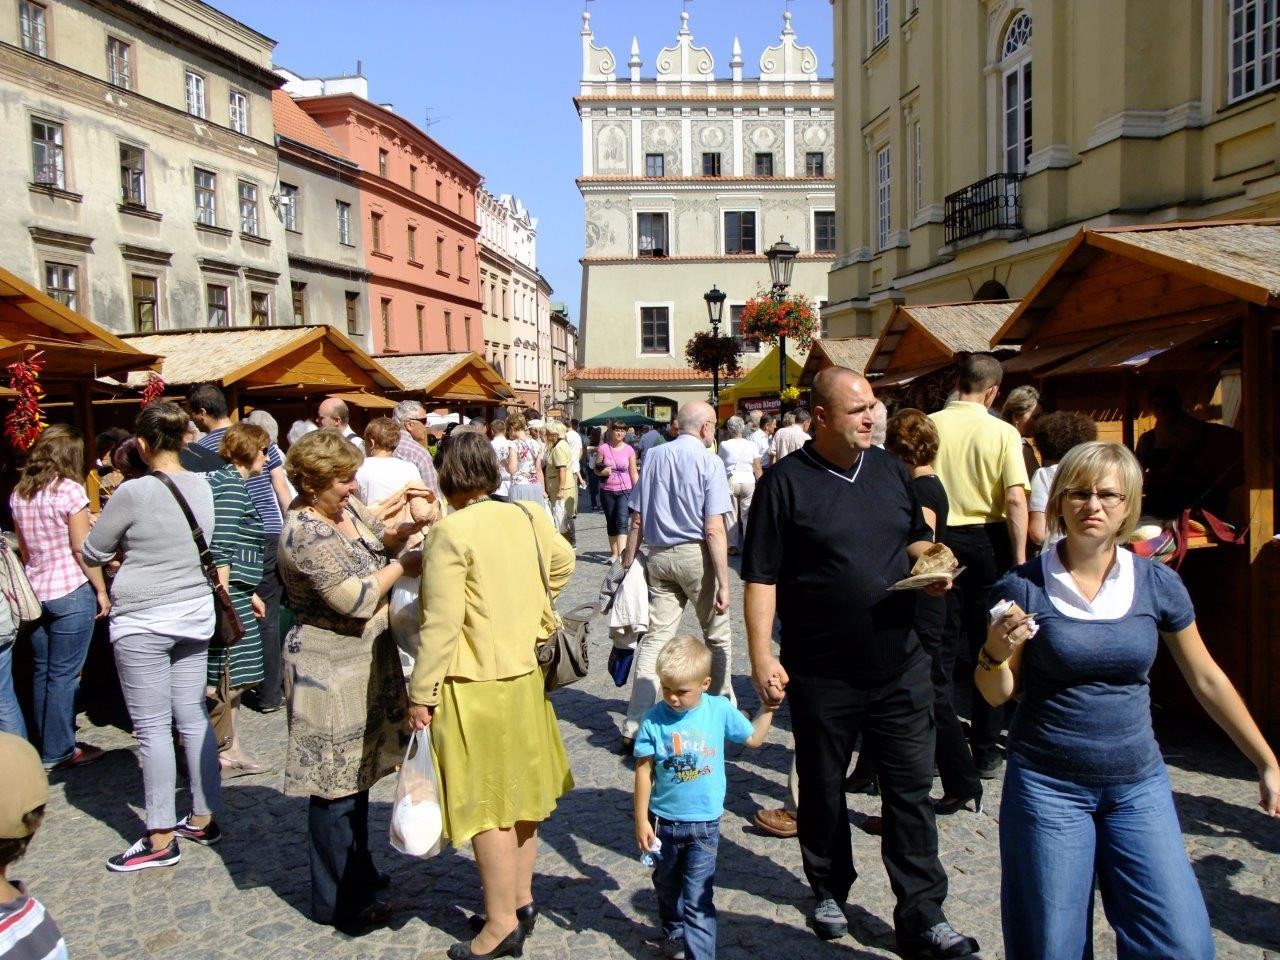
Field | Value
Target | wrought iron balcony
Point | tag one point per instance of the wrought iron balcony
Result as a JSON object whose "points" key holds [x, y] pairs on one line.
{"points": [[993, 203]]}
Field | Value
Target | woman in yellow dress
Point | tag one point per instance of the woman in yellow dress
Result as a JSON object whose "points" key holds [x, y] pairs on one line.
{"points": [[476, 683]]}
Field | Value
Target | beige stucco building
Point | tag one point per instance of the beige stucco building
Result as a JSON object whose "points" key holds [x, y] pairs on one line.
{"points": [[976, 138], [686, 179], [495, 281], [141, 165]]}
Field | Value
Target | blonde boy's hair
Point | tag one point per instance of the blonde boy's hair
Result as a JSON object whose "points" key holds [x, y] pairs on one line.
{"points": [[684, 659]]}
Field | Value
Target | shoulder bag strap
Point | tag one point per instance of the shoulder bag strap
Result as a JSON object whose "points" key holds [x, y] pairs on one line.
{"points": [[542, 567], [197, 535]]}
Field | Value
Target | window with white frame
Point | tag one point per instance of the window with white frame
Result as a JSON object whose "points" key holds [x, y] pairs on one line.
{"points": [[1254, 41], [33, 26], [133, 175], [119, 62], [289, 206], [344, 223], [1015, 68], [218, 303], [655, 165], [743, 343], [62, 283], [206, 197], [259, 308], [248, 193], [143, 290], [740, 231], [824, 231], [47, 159], [918, 159], [881, 15], [651, 235], [195, 94], [238, 108], [655, 330], [884, 197]]}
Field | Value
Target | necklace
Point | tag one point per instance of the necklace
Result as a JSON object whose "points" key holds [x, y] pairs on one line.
{"points": [[474, 500], [1080, 585]]}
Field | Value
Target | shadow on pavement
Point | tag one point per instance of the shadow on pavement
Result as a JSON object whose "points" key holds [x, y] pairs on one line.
{"points": [[1241, 916]]}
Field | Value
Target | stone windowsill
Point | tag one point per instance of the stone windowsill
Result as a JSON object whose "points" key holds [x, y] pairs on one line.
{"points": [[381, 255], [212, 230], [136, 210], [52, 191], [415, 263], [254, 238]]}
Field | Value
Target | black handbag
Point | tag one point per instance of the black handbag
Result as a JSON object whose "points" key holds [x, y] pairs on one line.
{"points": [[563, 655], [227, 630]]}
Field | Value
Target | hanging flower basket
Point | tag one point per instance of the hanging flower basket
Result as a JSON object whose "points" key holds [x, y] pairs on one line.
{"points": [[789, 395], [703, 352], [766, 318]]}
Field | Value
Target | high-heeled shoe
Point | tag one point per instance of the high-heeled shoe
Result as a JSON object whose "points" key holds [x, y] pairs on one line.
{"points": [[945, 806], [512, 945], [526, 915]]}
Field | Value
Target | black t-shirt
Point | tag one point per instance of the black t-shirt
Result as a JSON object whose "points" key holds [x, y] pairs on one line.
{"points": [[931, 612], [833, 542], [199, 459]]}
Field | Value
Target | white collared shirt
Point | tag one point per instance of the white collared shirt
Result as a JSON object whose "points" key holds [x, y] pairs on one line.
{"points": [[1114, 599]]}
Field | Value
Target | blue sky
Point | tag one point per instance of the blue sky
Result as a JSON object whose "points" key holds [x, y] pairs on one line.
{"points": [[499, 77]]}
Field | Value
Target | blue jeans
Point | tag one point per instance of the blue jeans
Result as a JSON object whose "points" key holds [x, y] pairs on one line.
{"points": [[684, 880], [11, 720], [1055, 836], [60, 643]]}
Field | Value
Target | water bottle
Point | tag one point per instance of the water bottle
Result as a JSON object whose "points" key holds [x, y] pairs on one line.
{"points": [[650, 857]]}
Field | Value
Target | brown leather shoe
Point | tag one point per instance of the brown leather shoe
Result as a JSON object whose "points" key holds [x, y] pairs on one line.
{"points": [[777, 823]]}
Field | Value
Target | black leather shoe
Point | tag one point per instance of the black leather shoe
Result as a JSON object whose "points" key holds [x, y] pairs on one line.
{"points": [[945, 806], [527, 915], [377, 914], [940, 942], [511, 946]]}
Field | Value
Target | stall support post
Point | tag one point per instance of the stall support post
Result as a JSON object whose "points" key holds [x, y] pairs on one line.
{"points": [[1130, 411], [782, 364], [84, 407], [1258, 399]]}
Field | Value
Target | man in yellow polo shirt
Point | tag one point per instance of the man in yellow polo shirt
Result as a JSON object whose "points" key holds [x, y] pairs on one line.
{"points": [[981, 466]]}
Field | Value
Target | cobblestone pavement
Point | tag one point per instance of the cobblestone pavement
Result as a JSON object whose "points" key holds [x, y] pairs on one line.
{"points": [[248, 897]]}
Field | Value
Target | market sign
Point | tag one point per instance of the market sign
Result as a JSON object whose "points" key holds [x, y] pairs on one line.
{"points": [[762, 404]]}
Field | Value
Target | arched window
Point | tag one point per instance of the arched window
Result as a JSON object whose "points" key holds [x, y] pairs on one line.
{"points": [[1015, 68]]}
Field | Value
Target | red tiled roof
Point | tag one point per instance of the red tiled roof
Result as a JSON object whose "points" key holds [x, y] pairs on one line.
{"points": [[293, 122], [635, 373]]}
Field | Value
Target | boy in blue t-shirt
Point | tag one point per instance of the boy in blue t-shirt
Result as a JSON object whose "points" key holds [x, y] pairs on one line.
{"points": [[680, 787]]}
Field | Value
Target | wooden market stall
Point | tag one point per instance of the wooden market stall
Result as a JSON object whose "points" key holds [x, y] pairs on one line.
{"points": [[851, 352], [758, 389], [914, 356], [462, 380], [285, 370], [1195, 305]]}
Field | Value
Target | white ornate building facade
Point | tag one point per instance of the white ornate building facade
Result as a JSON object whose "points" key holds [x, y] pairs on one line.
{"points": [[687, 178]]}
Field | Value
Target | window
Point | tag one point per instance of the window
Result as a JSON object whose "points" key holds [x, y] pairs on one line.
{"points": [[1016, 68], [144, 303], [881, 21], [419, 310], [195, 94], [1254, 27], [259, 309], [353, 312], [62, 283], [654, 165], [411, 242], [248, 208], [383, 158], [764, 164], [440, 254], [918, 157], [884, 198], [461, 256], [824, 231], [652, 234], [655, 330], [289, 206], [344, 223], [238, 108], [375, 229], [439, 185], [46, 154], [218, 302], [206, 198], [413, 178], [385, 319], [740, 232], [448, 331], [711, 164], [31, 23], [459, 201], [133, 175], [746, 344], [119, 70], [466, 333], [299, 291], [815, 164]]}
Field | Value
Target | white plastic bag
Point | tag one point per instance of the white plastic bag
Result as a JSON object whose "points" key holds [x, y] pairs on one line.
{"points": [[559, 520], [416, 824], [404, 614]]}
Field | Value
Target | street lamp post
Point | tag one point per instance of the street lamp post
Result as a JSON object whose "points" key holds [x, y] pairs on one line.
{"points": [[715, 298], [782, 257]]}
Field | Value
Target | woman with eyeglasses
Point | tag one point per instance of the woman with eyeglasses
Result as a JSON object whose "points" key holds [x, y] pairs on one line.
{"points": [[1086, 792]]}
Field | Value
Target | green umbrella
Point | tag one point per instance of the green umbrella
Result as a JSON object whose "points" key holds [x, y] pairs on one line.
{"points": [[625, 414]]}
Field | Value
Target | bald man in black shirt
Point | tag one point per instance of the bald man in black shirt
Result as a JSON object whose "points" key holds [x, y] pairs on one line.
{"points": [[831, 529]]}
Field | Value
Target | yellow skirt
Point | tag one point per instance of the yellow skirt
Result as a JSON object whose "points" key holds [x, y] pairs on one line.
{"points": [[498, 754]]}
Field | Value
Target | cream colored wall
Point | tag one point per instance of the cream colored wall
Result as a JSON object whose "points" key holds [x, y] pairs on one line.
{"points": [[1130, 124]]}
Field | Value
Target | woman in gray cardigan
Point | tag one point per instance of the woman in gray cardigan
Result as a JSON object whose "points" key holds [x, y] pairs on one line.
{"points": [[161, 621]]}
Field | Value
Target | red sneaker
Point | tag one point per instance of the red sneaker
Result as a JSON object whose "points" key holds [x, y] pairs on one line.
{"points": [[84, 753]]}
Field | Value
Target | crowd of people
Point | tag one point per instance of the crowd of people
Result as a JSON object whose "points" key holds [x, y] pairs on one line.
{"points": [[828, 508]]}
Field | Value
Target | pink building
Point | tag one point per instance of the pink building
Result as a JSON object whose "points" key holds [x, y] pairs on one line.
{"points": [[418, 217]]}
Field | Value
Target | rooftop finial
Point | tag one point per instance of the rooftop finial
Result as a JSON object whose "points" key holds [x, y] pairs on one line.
{"points": [[786, 22], [586, 22], [684, 23]]}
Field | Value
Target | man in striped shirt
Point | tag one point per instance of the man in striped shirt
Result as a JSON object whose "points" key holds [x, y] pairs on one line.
{"points": [[27, 932], [411, 417]]}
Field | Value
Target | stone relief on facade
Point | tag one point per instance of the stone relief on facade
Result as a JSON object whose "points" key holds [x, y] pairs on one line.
{"points": [[815, 137], [662, 137], [762, 136], [713, 136], [608, 232], [612, 148]]}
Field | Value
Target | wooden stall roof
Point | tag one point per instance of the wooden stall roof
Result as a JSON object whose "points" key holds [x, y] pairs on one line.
{"points": [[367, 401], [851, 352], [922, 338], [458, 377], [1126, 278], [299, 360], [762, 378], [73, 345]]}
